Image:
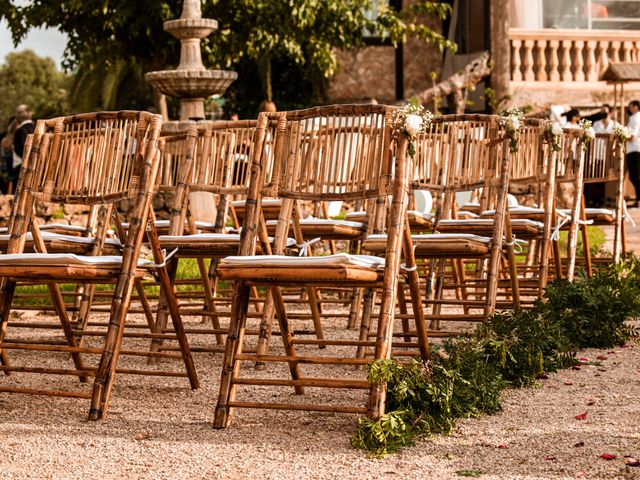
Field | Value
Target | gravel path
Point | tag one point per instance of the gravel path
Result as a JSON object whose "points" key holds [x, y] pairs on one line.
{"points": [[159, 429]]}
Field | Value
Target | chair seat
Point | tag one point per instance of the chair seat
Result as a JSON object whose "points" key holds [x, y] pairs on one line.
{"points": [[279, 268], [472, 207], [327, 229], [58, 243], [207, 245], [64, 229], [64, 266], [417, 219], [531, 213], [521, 227], [463, 245], [162, 226], [270, 208], [600, 216]]}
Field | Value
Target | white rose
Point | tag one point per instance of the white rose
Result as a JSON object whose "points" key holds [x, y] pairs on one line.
{"points": [[556, 129], [413, 124], [590, 133]]}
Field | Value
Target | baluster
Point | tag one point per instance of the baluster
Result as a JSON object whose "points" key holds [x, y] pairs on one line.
{"points": [[528, 61], [627, 47], [603, 56], [615, 52], [578, 61], [592, 73], [541, 63], [516, 76], [554, 75], [565, 68]]}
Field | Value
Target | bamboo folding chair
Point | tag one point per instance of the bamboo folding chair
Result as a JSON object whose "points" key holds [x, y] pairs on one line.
{"points": [[460, 153], [604, 162], [318, 176], [90, 159]]}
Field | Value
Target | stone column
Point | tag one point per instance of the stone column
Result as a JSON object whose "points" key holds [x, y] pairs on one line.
{"points": [[500, 47]]}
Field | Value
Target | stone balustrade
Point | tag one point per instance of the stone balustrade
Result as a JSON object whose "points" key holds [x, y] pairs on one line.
{"points": [[577, 57]]}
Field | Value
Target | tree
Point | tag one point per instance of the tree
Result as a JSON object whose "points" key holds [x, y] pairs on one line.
{"points": [[27, 78], [113, 42]]}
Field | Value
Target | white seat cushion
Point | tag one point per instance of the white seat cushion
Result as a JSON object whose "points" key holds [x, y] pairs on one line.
{"points": [[165, 224], [48, 259], [51, 236], [205, 238], [366, 261], [489, 221], [438, 237]]}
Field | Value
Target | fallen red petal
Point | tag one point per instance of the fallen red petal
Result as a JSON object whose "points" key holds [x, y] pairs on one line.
{"points": [[583, 359], [602, 357], [502, 445], [611, 352], [582, 416], [608, 456], [568, 383], [632, 462]]}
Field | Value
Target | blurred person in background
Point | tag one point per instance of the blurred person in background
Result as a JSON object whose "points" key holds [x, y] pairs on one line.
{"points": [[606, 124], [633, 148], [6, 156], [25, 126]]}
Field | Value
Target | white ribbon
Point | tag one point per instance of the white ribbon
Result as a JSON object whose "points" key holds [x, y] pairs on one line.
{"points": [[304, 246], [625, 214], [165, 258], [555, 235], [404, 267], [516, 243]]}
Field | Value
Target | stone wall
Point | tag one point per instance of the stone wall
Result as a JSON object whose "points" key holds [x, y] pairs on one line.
{"points": [[370, 72]]}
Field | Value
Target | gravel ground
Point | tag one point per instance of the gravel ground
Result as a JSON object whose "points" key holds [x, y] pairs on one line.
{"points": [[158, 428]]}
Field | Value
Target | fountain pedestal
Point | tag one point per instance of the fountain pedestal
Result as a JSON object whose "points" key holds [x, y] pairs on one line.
{"points": [[191, 82]]}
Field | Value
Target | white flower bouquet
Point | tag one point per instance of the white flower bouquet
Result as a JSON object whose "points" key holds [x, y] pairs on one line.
{"points": [[552, 133], [588, 133], [412, 120], [511, 121], [623, 133]]}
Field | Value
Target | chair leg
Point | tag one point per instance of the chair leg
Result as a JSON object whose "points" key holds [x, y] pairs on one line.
{"points": [[315, 313], [58, 304], [356, 303], [233, 346], [163, 313], [286, 335], [7, 290], [209, 297], [264, 334], [368, 302], [402, 305]]}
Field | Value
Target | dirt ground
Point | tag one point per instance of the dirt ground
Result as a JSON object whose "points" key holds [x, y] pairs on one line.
{"points": [[158, 428]]}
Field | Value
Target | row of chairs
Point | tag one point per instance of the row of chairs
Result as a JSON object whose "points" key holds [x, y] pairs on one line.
{"points": [[253, 198]]}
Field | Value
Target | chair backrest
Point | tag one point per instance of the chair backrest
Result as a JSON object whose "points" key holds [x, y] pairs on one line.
{"points": [[602, 162], [90, 159], [462, 153], [213, 159], [322, 154]]}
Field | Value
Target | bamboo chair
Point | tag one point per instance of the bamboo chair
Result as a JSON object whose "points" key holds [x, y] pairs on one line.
{"points": [[321, 176], [604, 162], [96, 158], [461, 153]]}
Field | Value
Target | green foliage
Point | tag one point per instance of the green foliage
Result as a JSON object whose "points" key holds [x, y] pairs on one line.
{"points": [[593, 311], [466, 375], [112, 43], [27, 78], [525, 344]]}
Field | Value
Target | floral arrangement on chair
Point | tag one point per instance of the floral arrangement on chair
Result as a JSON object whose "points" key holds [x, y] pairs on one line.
{"points": [[412, 120], [588, 133], [511, 121], [623, 133], [552, 133]]}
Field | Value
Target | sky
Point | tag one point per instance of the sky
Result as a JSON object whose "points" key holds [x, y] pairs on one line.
{"points": [[45, 42]]}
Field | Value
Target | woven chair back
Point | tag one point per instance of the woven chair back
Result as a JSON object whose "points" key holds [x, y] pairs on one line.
{"points": [[92, 158]]}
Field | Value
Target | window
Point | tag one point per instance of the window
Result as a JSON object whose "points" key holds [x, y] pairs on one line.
{"points": [[592, 14]]}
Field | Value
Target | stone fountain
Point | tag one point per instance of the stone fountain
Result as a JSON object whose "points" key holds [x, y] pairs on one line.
{"points": [[191, 82]]}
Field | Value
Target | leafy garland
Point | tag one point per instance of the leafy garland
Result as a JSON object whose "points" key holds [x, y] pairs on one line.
{"points": [[511, 121], [411, 120], [465, 376]]}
